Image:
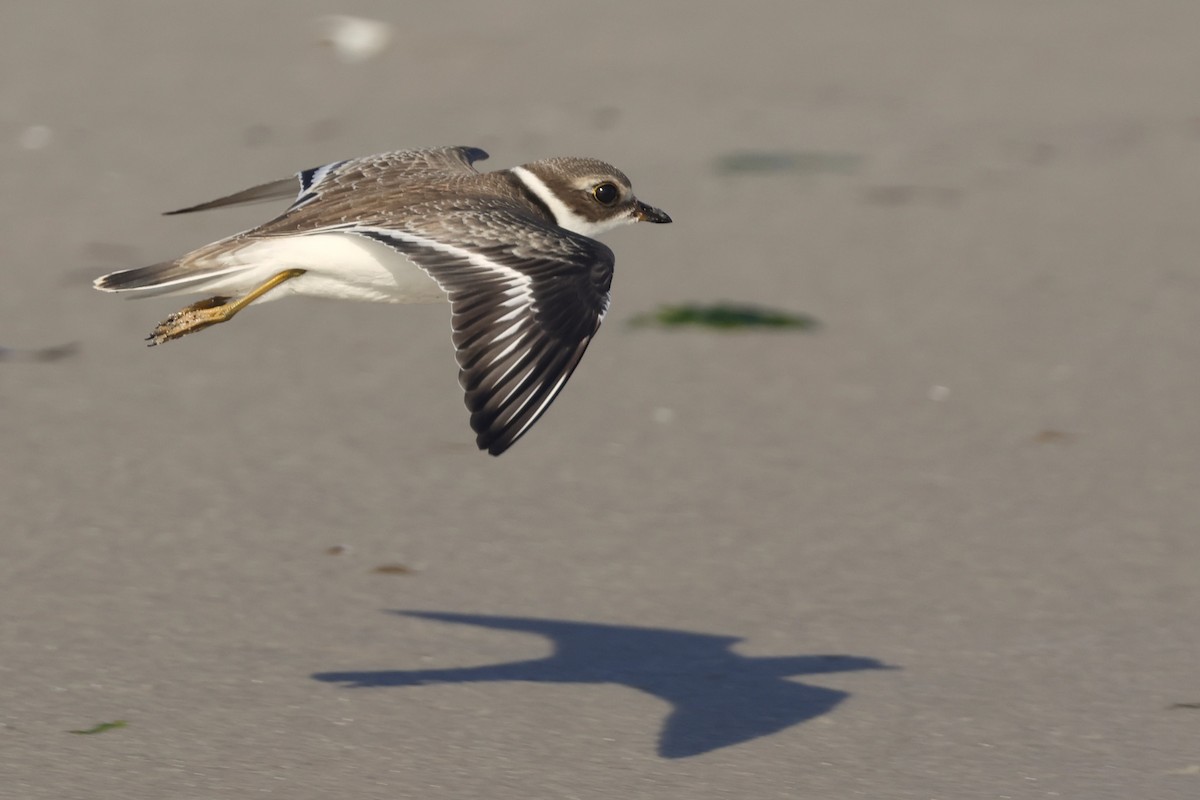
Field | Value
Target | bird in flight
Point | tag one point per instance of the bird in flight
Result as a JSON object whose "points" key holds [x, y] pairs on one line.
{"points": [[512, 250]]}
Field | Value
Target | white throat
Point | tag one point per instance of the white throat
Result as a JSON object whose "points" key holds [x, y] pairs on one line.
{"points": [[563, 215]]}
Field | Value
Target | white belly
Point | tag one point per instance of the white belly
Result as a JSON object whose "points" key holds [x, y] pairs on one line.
{"points": [[338, 265]]}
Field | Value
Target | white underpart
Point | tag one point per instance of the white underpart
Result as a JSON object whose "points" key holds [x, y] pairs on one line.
{"points": [[338, 265], [563, 215]]}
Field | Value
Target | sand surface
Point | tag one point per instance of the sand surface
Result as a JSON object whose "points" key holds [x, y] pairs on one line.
{"points": [[943, 547]]}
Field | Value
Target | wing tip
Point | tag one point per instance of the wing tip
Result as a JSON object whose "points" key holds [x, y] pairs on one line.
{"points": [[474, 154], [275, 190], [198, 207], [494, 440], [495, 448]]}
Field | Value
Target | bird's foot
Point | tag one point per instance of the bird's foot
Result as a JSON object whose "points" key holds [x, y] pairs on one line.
{"points": [[199, 316], [195, 317]]}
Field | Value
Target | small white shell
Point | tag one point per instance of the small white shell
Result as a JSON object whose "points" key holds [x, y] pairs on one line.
{"points": [[354, 39]]}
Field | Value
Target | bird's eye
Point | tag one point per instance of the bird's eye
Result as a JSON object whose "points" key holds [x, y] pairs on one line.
{"points": [[606, 194]]}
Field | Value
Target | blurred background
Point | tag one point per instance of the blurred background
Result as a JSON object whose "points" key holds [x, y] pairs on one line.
{"points": [[977, 468]]}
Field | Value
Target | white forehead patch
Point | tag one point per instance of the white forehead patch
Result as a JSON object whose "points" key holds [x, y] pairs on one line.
{"points": [[604, 220]]}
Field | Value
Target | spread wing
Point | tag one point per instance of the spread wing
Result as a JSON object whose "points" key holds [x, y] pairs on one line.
{"points": [[526, 300], [308, 185]]}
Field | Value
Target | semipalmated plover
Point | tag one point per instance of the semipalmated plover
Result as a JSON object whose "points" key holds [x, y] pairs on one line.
{"points": [[511, 250]]}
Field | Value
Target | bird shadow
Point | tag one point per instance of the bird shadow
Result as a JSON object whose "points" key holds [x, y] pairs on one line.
{"points": [[718, 698]]}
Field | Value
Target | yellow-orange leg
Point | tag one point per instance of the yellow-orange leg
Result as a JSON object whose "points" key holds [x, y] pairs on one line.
{"points": [[199, 316]]}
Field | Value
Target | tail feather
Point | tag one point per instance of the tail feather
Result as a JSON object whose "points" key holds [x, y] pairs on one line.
{"points": [[167, 277]]}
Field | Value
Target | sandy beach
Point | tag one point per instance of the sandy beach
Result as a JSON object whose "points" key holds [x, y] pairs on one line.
{"points": [[944, 545]]}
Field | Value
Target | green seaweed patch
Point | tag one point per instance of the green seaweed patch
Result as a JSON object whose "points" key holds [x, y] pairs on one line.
{"points": [[724, 316], [804, 162], [101, 728]]}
